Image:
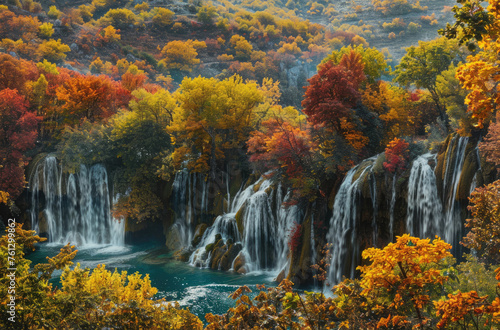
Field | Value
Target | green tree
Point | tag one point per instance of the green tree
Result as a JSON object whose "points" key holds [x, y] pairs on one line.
{"points": [[422, 65]]}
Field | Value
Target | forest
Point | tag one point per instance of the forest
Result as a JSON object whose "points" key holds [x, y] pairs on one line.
{"points": [[350, 149]]}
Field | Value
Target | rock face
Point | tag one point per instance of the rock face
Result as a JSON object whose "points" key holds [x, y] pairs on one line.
{"points": [[368, 207]]}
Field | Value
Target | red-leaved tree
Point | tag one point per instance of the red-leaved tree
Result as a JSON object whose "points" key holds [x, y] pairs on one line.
{"points": [[18, 133], [396, 155]]}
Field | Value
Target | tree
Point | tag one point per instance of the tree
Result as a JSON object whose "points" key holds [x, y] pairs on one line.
{"points": [[53, 50], [91, 97], [180, 55], [162, 17], [480, 74], [397, 156], [484, 235], [331, 96], [402, 276], [424, 63], [18, 133], [207, 14], [374, 63], [242, 48], [490, 146], [158, 107], [288, 150], [213, 117]]}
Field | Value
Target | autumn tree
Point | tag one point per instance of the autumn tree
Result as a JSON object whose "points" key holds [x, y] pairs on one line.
{"points": [[422, 65], [91, 97], [53, 50], [213, 118], [180, 55], [480, 73], [402, 277], [162, 17], [18, 133], [374, 62], [331, 97], [484, 234], [397, 156], [288, 150]]}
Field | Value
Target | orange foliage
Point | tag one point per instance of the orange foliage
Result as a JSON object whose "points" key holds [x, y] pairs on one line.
{"points": [[91, 97]]}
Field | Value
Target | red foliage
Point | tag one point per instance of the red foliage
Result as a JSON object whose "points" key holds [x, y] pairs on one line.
{"points": [[282, 146], [397, 155], [91, 97], [15, 73], [331, 94], [295, 237], [132, 81], [490, 147], [18, 133]]}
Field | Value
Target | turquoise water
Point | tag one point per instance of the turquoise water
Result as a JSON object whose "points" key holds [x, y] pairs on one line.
{"points": [[202, 290]]}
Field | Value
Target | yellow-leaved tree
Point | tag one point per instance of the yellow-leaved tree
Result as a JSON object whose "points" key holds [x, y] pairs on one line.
{"points": [[213, 117]]}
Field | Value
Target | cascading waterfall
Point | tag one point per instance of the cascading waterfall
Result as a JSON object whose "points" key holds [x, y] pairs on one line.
{"points": [[373, 195], [342, 233], [452, 216], [424, 209], [82, 216], [224, 225], [391, 209], [265, 235], [180, 189]]}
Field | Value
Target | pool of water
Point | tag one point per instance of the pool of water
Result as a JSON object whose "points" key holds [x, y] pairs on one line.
{"points": [[202, 290]]}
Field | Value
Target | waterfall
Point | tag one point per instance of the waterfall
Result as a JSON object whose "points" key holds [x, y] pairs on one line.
{"points": [[181, 195], [82, 215], [224, 225], [391, 209], [452, 216], [373, 195], [265, 234], [342, 233], [424, 209]]}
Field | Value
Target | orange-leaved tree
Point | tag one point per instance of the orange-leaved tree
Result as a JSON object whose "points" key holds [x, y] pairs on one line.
{"points": [[402, 277]]}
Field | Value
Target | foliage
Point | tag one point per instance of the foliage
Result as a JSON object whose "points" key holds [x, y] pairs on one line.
{"points": [[484, 235], [86, 299], [120, 18], [397, 156], [403, 276], [213, 117], [90, 97], [46, 30], [53, 50], [18, 134], [276, 308], [490, 146], [424, 63], [207, 14], [374, 62], [162, 17], [453, 96], [472, 22], [480, 74], [180, 55], [331, 96]]}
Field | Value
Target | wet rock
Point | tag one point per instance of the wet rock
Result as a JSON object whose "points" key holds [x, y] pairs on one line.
{"points": [[239, 264], [198, 234], [227, 259]]}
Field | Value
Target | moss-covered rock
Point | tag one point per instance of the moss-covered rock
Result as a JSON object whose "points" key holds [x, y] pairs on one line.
{"points": [[239, 219], [232, 252], [198, 234], [239, 264]]}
